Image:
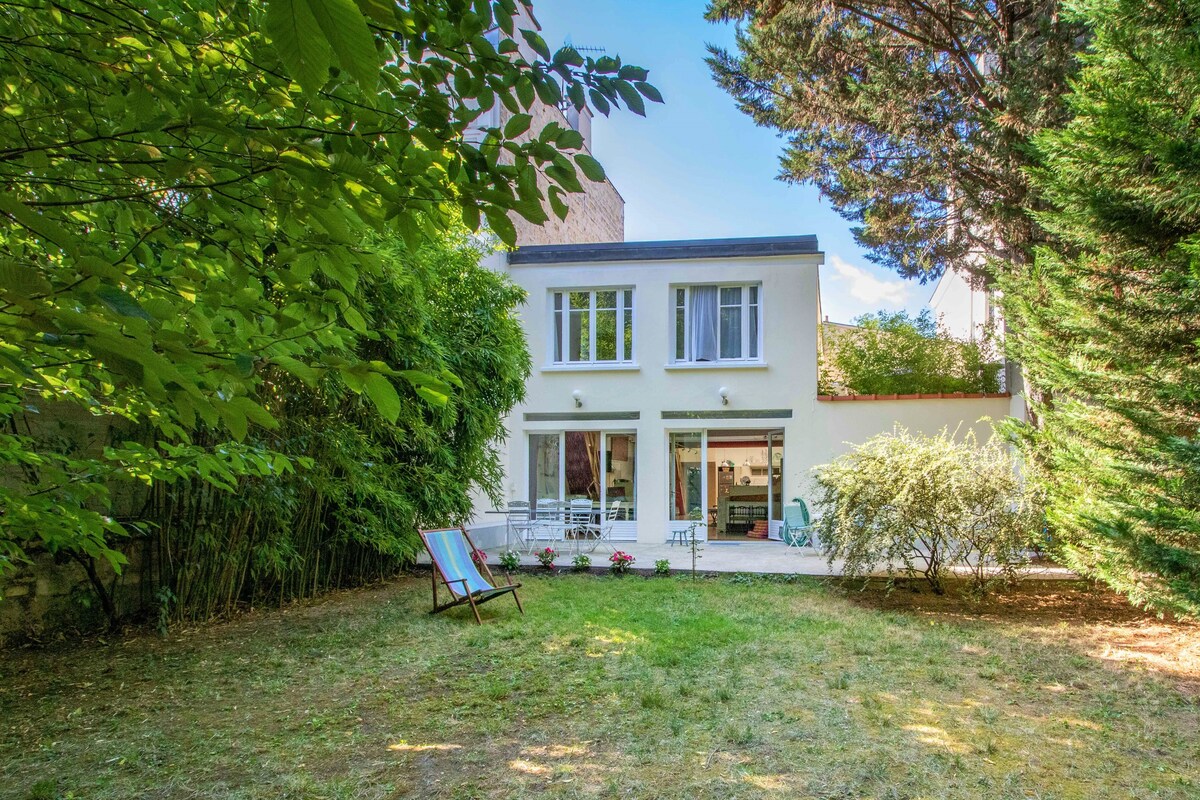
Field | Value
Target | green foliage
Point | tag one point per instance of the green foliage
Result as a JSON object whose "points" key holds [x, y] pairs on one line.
{"points": [[898, 354], [369, 483], [662, 567], [1109, 318], [204, 204], [581, 563], [910, 117], [510, 560], [924, 503]]}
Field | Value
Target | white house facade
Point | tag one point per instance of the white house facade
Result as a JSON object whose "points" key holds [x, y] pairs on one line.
{"points": [[662, 369], [680, 378]]}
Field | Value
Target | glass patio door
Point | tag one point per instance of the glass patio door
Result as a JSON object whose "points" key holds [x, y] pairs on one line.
{"points": [[775, 481], [688, 481], [600, 466]]}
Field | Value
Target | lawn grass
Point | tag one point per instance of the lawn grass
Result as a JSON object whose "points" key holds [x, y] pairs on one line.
{"points": [[621, 688]]}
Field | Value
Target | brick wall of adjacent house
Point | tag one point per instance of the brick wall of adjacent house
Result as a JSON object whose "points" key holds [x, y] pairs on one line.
{"points": [[596, 215]]}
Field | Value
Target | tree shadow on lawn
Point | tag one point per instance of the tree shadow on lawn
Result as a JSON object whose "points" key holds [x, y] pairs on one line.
{"points": [[1082, 615], [631, 687]]}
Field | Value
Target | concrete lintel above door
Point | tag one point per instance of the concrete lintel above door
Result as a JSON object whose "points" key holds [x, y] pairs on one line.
{"points": [[581, 416], [749, 413]]}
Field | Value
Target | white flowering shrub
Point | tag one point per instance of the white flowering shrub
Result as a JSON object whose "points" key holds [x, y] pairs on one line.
{"points": [[910, 504]]}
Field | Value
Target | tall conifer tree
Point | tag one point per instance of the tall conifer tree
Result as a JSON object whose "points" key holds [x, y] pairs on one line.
{"points": [[1108, 320], [910, 117]]}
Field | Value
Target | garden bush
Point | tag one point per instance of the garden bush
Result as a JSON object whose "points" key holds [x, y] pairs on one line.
{"points": [[921, 504], [898, 354]]}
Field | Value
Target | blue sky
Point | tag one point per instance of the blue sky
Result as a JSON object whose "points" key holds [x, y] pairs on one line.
{"points": [[698, 168]]}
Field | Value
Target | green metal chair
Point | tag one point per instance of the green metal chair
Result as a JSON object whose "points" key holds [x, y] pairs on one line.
{"points": [[798, 527]]}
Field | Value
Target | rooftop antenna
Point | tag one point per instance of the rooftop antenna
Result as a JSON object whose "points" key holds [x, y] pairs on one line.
{"points": [[582, 50]]}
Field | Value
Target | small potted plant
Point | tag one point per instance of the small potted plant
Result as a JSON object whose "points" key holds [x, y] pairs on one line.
{"points": [[546, 557], [620, 562]]}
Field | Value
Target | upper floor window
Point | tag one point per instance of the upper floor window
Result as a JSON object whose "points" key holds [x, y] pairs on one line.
{"points": [[718, 323], [593, 326]]}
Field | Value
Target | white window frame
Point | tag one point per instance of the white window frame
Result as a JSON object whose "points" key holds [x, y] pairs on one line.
{"points": [[687, 323], [560, 324]]}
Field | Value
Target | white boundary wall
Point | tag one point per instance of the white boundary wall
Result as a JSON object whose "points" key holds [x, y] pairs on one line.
{"points": [[840, 424]]}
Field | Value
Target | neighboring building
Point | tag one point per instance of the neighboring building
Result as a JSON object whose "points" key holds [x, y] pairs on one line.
{"points": [[970, 311], [598, 214], [828, 334], [960, 307]]}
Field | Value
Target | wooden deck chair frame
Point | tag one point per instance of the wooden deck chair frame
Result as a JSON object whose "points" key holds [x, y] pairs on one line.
{"points": [[474, 599]]}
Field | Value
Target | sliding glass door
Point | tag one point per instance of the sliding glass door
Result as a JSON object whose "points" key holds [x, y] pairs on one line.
{"points": [[687, 476], [600, 466], [688, 484], [775, 481], [620, 473]]}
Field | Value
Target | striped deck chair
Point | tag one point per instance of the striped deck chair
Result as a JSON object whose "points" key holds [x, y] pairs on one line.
{"points": [[450, 550]]}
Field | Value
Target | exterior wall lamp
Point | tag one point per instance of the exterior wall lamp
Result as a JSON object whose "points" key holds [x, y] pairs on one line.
{"points": [[578, 395], [724, 394]]}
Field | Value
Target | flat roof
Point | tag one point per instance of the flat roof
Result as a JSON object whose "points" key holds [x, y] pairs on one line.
{"points": [[666, 250]]}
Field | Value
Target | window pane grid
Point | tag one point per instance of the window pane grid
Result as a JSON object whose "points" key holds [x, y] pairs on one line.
{"points": [[594, 327]]}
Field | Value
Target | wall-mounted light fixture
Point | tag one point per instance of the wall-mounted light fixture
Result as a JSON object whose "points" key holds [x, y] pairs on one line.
{"points": [[724, 394], [578, 395]]}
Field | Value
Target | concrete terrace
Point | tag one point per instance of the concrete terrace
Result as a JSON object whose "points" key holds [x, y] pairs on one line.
{"points": [[756, 557], [761, 558]]}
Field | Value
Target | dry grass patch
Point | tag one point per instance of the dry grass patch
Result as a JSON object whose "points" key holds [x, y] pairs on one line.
{"points": [[622, 687]]}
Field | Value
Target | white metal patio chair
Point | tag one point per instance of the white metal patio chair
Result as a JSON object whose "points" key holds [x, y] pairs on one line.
{"points": [[518, 523], [547, 524], [601, 532], [578, 520]]}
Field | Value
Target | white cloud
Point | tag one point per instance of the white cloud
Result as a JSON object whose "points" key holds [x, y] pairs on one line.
{"points": [[868, 289]]}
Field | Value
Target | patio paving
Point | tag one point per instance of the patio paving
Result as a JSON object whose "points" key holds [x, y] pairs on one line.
{"points": [[759, 557]]}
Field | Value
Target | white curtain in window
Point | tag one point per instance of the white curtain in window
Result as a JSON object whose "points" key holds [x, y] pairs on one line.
{"points": [[704, 313], [753, 343]]}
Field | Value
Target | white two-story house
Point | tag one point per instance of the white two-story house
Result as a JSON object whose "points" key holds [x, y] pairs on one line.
{"points": [[667, 375]]}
